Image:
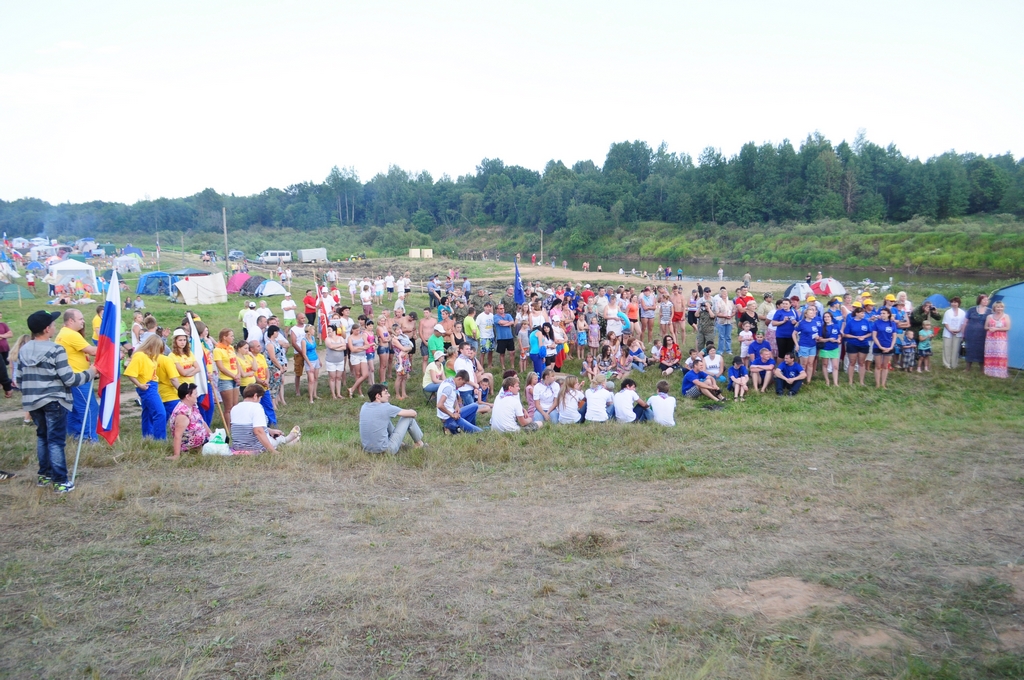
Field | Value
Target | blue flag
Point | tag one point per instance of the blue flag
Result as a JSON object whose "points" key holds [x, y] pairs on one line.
{"points": [[519, 296]]}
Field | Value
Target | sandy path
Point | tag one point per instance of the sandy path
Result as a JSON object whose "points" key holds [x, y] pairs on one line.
{"points": [[533, 273]]}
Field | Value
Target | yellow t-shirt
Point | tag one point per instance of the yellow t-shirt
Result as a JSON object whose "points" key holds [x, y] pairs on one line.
{"points": [[166, 370], [141, 368], [227, 356], [245, 364], [184, 362], [74, 343], [260, 366], [96, 321]]}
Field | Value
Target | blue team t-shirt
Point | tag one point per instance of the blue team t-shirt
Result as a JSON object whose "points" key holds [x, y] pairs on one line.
{"points": [[755, 348], [806, 330], [855, 327], [784, 330], [692, 377], [884, 330], [736, 372], [790, 370], [770, 362], [831, 335]]}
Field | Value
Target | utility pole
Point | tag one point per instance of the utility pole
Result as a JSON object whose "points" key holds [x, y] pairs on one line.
{"points": [[224, 217], [542, 245], [182, 249]]}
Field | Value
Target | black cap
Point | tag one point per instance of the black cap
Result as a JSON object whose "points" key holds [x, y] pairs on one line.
{"points": [[40, 321]]}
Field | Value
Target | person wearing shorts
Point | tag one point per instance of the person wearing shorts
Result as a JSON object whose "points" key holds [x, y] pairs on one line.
{"points": [[504, 342]]}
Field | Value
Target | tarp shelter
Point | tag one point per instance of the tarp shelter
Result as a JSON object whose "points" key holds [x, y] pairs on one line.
{"points": [[251, 284], [9, 291], [189, 271], [132, 250], [268, 288], [77, 258], [801, 290], [938, 301], [127, 264], [108, 248], [202, 290], [1013, 298], [66, 270], [155, 283], [236, 282]]}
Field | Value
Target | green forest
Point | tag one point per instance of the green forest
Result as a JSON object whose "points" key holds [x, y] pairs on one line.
{"points": [[848, 204]]}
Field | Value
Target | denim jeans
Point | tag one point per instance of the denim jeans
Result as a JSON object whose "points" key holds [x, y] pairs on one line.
{"points": [[724, 338], [396, 433], [83, 394], [538, 418], [643, 414], [467, 423], [51, 435]]}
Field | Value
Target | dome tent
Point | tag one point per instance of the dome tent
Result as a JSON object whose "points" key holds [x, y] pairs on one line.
{"points": [[156, 283], [236, 282], [202, 290], [251, 284], [268, 288]]}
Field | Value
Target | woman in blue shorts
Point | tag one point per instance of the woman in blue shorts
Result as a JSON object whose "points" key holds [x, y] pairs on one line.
{"points": [[806, 338], [857, 331], [884, 337]]}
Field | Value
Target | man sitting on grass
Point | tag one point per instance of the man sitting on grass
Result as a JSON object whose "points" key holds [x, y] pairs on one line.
{"points": [[249, 431], [789, 376], [508, 414], [453, 413], [696, 382], [762, 368], [376, 430], [629, 407]]}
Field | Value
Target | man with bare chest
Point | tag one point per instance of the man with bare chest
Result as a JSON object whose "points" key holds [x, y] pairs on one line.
{"points": [[426, 329]]}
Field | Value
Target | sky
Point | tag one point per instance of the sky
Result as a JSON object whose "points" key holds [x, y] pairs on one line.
{"points": [[120, 101]]}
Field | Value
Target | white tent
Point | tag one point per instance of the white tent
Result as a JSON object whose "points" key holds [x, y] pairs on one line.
{"points": [[126, 264], [268, 288], [65, 270], [202, 290]]}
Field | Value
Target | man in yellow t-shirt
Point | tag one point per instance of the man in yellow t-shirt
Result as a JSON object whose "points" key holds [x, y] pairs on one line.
{"points": [[85, 408], [96, 321]]}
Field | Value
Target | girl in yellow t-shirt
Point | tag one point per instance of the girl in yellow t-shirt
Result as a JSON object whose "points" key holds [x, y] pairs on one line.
{"points": [[141, 371], [227, 366], [245, 364]]}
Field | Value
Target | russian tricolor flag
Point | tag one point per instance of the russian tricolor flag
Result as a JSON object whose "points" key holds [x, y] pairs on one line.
{"points": [[108, 364], [202, 379]]}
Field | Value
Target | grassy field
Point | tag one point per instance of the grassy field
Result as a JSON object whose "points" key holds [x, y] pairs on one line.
{"points": [[845, 533]]}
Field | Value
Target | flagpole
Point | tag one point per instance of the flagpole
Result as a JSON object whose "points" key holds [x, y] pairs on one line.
{"points": [[81, 435]]}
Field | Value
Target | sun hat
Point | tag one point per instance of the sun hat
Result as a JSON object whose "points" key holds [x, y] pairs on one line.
{"points": [[438, 354], [179, 333]]}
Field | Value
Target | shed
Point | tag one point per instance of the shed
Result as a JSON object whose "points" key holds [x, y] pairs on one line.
{"points": [[1013, 298]]}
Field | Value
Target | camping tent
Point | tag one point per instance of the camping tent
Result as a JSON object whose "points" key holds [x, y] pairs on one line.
{"points": [[126, 264], [268, 288], [828, 287], [938, 301], [202, 290], [236, 282], [132, 250], [189, 271], [77, 257], [66, 270], [9, 291], [251, 284], [1013, 298], [155, 283], [800, 289], [34, 266]]}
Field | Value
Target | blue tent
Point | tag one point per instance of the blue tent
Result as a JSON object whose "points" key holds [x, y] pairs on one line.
{"points": [[156, 283], [938, 301], [132, 250], [34, 265], [1013, 298]]}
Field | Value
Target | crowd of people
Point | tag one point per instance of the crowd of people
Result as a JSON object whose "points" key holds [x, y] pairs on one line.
{"points": [[504, 355]]}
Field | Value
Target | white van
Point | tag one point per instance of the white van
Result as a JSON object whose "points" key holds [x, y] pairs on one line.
{"points": [[275, 256]]}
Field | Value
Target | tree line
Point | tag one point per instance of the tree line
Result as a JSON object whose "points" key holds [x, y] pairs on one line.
{"points": [[761, 187]]}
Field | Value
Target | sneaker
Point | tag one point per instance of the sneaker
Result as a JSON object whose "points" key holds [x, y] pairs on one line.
{"points": [[66, 487], [43, 480]]}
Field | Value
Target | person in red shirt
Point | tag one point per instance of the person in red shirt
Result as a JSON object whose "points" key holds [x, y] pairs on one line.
{"points": [[309, 302], [741, 301], [587, 294]]}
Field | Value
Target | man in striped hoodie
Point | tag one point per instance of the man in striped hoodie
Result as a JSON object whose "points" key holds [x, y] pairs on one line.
{"points": [[46, 380]]}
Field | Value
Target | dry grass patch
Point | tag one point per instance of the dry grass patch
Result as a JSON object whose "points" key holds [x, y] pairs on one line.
{"points": [[778, 598]]}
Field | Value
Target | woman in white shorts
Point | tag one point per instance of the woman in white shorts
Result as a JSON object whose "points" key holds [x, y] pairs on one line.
{"points": [[357, 343], [334, 360]]}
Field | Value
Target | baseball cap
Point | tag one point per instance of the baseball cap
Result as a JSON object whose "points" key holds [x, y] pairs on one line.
{"points": [[438, 354], [858, 305], [869, 301], [890, 297], [40, 321], [287, 294], [252, 305], [439, 328], [811, 298], [836, 301], [586, 285]]}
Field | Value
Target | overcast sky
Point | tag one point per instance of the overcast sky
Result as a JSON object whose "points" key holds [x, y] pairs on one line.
{"points": [[122, 100]]}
